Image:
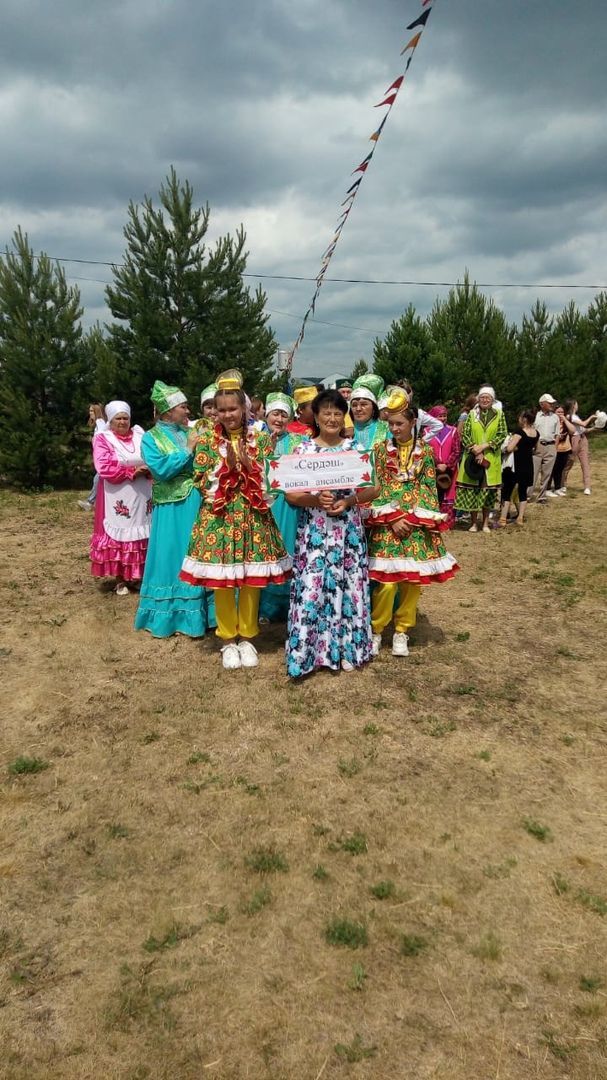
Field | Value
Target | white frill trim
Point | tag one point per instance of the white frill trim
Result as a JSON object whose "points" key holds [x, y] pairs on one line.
{"points": [[372, 512], [235, 572], [128, 532], [427, 515], [427, 568]]}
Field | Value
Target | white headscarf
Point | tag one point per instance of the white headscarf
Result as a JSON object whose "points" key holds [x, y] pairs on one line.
{"points": [[114, 407], [489, 391]]}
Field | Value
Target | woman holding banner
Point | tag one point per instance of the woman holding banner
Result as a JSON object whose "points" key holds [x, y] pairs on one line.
{"points": [[406, 551], [329, 613]]}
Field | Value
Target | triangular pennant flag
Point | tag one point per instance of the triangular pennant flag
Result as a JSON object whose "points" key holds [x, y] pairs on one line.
{"points": [[396, 85], [389, 100], [349, 199], [413, 43], [354, 185], [423, 19], [364, 165], [409, 62], [426, 2], [375, 136]]}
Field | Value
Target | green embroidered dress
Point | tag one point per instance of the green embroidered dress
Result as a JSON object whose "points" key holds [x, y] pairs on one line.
{"points": [[408, 490], [235, 540], [488, 426]]}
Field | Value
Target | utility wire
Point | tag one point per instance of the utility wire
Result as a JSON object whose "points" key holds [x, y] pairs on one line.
{"points": [[347, 281]]}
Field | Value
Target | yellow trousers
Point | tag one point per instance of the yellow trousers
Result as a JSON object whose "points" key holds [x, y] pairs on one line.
{"points": [[234, 620], [382, 606]]}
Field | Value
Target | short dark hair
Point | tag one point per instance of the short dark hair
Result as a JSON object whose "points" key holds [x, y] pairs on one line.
{"points": [[528, 415], [330, 397]]}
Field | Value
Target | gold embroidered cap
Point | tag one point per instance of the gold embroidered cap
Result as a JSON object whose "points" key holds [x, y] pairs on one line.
{"points": [[303, 394], [229, 380], [397, 401]]}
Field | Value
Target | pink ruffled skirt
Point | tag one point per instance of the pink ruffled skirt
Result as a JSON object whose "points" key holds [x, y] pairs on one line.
{"points": [[114, 558]]}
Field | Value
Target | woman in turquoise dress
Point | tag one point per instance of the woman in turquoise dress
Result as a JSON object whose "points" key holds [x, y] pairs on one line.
{"points": [[167, 605], [274, 603]]}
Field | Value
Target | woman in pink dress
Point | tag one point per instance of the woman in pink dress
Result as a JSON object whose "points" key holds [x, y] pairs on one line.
{"points": [[446, 447], [123, 507]]}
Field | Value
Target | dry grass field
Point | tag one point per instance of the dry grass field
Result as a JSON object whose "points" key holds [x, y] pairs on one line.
{"points": [[397, 874]]}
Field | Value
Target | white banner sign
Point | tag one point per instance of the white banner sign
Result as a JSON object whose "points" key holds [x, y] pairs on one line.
{"points": [[345, 469]]}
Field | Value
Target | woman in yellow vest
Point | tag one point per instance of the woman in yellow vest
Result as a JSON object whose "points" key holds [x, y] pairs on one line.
{"points": [[167, 605]]}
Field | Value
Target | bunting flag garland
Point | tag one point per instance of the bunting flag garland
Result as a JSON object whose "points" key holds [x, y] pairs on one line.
{"points": [[388, 102]]}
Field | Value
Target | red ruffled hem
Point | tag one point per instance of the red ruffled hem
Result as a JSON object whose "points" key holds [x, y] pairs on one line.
{"points": [[221, 583], [426, 523], [383, 519], [412, 578]]}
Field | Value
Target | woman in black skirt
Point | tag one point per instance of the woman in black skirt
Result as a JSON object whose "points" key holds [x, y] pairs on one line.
{"points": [[523, 443]]}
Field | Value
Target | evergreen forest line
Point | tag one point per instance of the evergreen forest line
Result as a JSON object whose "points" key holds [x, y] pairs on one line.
{"points": [[182, 312]]}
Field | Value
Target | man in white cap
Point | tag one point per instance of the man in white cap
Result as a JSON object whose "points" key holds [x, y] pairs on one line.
{"points": [[548, 426]]}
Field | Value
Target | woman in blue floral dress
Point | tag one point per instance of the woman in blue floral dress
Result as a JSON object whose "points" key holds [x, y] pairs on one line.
{"points": [[329, 621]]}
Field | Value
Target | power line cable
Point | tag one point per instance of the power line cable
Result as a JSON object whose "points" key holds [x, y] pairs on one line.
{"points": [[347, 281]]}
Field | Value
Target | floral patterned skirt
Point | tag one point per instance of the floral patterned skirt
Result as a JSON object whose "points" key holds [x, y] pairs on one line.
{"points": [[420, 558], [240, 546], [329, 611]]}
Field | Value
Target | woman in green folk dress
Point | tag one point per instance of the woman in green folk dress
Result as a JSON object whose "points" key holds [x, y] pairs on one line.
{"points": [[404, 524], [480, 472], [235, 542], [274, 603]]}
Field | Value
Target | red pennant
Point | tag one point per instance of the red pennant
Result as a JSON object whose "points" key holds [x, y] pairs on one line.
{"points": [[389, 100], [396, 85]]}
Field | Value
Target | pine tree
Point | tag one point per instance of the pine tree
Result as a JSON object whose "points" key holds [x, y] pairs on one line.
{"points": [[566, 368], [184, 312], [44, 372], [361, 367], [475, 340], [597, 353], [533, 352], [408, 353]]}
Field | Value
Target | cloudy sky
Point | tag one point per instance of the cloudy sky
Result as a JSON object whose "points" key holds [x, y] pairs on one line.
{"points": [[494, 157]]}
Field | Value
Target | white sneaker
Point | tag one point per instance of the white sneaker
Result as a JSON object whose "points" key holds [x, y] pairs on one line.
{"points": [[84, 504], [375, 644], [587, 491], [347, 666], [551, 495], [231, 656], [400, 645], [248, 654], [561, 492], [121, 590]]}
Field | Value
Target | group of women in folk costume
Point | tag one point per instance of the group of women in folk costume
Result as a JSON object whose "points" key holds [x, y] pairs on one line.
{"points": [[220, 540]]}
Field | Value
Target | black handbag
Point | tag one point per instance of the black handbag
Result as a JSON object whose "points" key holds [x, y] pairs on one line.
{"points": [[475, 471]]}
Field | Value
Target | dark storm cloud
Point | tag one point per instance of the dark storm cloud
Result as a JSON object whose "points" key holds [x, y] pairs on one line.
{"points": [[495, 157]]}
